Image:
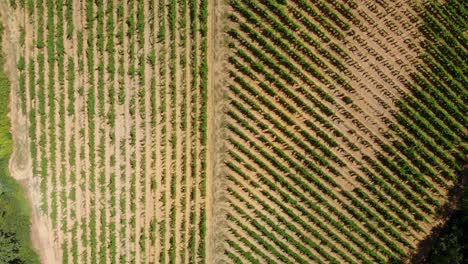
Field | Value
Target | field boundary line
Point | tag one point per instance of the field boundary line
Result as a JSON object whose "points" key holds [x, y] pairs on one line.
{"points": [[217, 105]]}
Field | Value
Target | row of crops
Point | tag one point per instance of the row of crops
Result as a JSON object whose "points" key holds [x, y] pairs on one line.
{"points": [[345, 127], [116, 97], [339, 150]]}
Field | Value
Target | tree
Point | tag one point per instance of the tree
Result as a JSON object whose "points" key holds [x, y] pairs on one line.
{"points": [[9, 248]]}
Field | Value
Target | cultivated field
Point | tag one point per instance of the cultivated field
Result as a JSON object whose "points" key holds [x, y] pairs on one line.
{"points": [[239, 131], [346, 127], [116, 95]]}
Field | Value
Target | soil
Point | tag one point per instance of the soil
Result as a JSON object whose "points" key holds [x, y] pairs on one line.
{"points": [[215, 203]]}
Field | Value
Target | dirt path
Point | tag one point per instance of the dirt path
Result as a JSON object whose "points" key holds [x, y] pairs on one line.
{"points": [[119, 155], [20, 163], [216, 205]]}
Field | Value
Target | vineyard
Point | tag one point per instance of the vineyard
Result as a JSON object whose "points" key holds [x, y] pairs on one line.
{"points": [[116, 96], [339, 136], [347, 127]]}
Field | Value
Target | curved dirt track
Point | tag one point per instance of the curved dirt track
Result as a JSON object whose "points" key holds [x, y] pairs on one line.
{"points": [[20, 165]]}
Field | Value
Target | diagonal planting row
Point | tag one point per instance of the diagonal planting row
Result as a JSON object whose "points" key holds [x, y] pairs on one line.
{"points": [[347, 148]]}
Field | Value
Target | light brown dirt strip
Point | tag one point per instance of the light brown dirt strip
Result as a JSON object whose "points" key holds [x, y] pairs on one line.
{"points": [[119, 130], [117, 133], [78, 105], [215, 174]]}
